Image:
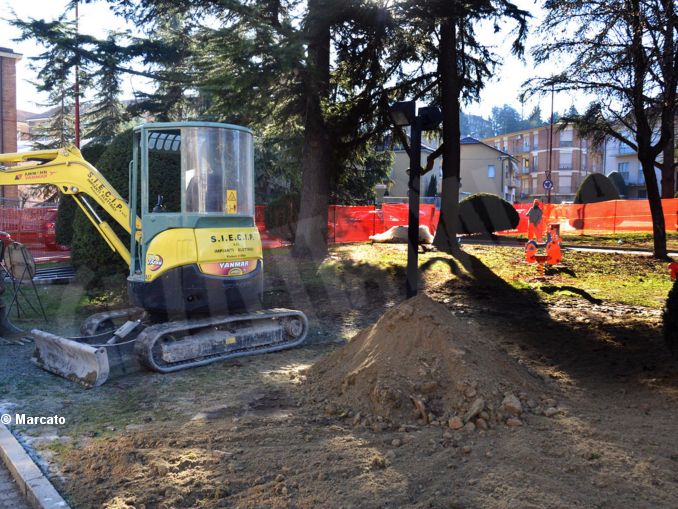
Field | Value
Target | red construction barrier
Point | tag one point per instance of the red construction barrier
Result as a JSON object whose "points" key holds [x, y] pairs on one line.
{"points": [[397, 214], [35, 228], [351, 223]]}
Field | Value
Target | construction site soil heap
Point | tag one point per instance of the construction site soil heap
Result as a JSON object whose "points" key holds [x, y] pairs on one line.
{"points": [[421, 364]]}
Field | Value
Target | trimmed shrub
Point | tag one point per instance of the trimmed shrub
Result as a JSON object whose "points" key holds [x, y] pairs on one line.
{"points": [[282, 215], [671, 321], [618, 181], [486, 213], [67, 206], [596, 188], [89, 249]]}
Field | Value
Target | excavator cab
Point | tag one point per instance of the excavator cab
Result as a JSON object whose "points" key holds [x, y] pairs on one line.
{"points": [[192, 185]]}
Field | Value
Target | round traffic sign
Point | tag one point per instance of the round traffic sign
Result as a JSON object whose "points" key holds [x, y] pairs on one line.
{"points": [[548, 184]]}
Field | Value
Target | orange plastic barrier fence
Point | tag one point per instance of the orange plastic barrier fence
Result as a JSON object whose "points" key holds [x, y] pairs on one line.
{"points": [[616, 216]]}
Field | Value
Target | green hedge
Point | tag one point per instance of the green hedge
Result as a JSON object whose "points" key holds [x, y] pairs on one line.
{"points": [[671, 320], [596, 188], [486, 213], [67, 206]]}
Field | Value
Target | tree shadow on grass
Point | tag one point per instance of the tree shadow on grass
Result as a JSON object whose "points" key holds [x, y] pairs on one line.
{"points": [[552, 289], [585, 344]]}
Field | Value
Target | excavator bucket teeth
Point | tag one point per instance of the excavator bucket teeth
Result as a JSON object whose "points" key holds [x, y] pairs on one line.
{"points": [[75, 361]]}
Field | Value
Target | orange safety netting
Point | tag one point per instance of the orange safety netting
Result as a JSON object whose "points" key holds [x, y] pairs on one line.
{"points": [[357, 223], [616, 216]]}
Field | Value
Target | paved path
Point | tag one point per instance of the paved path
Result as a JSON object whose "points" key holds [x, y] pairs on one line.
{"points": [[10, 497]]}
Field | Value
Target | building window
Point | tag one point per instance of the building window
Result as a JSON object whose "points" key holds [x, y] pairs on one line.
{"points": [[566, 138], [565, 161], [490, 171], [535, 162], [623, 169]]}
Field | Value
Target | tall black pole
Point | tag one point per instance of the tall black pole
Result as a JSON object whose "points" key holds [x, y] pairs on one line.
{"points": [[413, 198], [548, 174]]}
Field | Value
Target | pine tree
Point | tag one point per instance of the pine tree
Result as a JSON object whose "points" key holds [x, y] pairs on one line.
{"points": [[105, 116]]}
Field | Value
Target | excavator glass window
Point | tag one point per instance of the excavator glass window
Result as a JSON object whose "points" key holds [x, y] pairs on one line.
{"points": [[217, 166], [200, 170]]}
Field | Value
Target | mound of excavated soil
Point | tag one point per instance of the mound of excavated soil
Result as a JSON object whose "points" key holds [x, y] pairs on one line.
{"points": [[420, 362]]}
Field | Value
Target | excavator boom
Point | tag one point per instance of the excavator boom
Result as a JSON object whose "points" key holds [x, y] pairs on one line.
{"points": [[67, 170]]}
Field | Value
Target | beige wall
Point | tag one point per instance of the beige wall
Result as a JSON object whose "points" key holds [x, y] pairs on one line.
{"points": [[475, 160], [401, 162]]}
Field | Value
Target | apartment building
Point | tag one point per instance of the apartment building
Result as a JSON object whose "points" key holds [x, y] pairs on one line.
{"points": [[8, 115], [572, 159]]}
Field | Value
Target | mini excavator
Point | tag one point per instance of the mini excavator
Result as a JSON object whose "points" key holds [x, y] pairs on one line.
{"points": [[195, 257]]}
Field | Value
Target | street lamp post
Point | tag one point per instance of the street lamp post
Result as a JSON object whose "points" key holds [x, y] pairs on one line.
{"points": [[405, 114]]}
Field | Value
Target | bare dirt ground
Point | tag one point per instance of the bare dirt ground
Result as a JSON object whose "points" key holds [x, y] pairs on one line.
{"points": [[252, 433]]}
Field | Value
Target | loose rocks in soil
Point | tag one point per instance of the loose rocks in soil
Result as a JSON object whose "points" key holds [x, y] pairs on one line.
{"points": [[421, 364]]}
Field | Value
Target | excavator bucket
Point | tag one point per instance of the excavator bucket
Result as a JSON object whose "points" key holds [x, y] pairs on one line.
{"points": [[76, 361]]}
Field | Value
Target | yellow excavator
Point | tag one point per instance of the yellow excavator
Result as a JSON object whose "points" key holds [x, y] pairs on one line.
{"points": [[195, 257]]}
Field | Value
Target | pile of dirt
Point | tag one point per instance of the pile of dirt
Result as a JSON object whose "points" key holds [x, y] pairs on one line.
{"points": [[420, 363]]}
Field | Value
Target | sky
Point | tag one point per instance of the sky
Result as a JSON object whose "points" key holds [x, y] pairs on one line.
{"points": [[96, 19]]}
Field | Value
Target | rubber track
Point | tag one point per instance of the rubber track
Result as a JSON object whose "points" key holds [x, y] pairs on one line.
{"points": [[151, 335]]}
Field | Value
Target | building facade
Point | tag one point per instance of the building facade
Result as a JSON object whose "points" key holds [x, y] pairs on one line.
{"points": [[487, 169], [572, 159], [8, 115]]}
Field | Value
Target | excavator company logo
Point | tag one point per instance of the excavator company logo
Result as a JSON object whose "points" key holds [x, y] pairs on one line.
{"points": [[105, 194], [17, 177], [35, 175], [235, 268], [232, 237], [154, 261]]}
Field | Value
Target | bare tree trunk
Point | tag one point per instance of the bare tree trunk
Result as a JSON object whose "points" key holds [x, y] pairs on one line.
{"points": [[311, 235], [669, 166], [446, 233], [654, 199]]}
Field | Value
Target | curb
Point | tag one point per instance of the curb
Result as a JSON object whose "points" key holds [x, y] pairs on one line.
{"points": [[38, 491]]}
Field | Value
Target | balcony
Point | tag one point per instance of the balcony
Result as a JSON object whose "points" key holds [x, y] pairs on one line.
{"points": [[565, 143], [634, 180], [565, 167], [625, 150]]}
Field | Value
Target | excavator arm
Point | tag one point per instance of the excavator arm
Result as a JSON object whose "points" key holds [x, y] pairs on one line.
{"points": [[67, 170]]}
